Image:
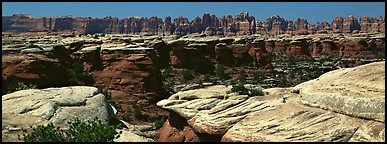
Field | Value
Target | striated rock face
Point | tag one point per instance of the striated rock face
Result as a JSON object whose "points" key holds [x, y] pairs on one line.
{"points": [[241, 24], [44, 66], [130, 70], [356, 91], [342, 105], [298, 123], [131, 63], [125, 66]]}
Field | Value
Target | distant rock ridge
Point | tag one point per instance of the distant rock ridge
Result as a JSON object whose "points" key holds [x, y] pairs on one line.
{"points": [[240, 24]]}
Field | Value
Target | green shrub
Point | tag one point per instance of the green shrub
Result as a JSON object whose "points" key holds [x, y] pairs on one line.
{"points": [[256, 92], [240, 89], [137, 112], [187, 75], [200, 83], [233, 70], [22, 86], [283, 82], [233, 82], [292, 60], [214, 81], [78, 76], [159, 122], [221, 72], [207, 78], [167, 86], [167, 72], [241, 77], [258, 77], [126, 117], [90, 131]]}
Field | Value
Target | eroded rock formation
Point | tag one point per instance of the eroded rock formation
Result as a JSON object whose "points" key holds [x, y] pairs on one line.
{"points": [[342, 105], [241, 24]]}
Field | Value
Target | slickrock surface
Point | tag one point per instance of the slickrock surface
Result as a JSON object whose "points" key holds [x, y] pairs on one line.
{"points": [[302, 113], [358, 91], [32, 107], [211, 110], [58, 105], [294, 121]]}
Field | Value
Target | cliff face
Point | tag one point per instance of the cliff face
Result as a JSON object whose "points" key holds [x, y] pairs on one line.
{"points": [[240, 24]]}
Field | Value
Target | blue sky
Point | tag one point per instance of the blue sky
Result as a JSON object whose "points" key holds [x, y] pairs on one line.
{"points": [[312, 11]]}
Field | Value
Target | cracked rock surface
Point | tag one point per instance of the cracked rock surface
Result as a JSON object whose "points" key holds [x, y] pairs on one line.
{"points": [[59, 105], [317, 110], [358, 91], [32, 107]]}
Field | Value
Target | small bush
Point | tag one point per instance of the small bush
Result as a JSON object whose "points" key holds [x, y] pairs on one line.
{"points": [[221, 72], [90, 131], [283, 82], [200, 83], [167, 72], [292, 60], [159, 122], [258, 77], [137, 112], [241, 77], [22, 86], [256, 92], [233, 82], [187, 75], [240, 89], [126, 117], [78, 76], [207, 78], [167, 86], [233, 70]]}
